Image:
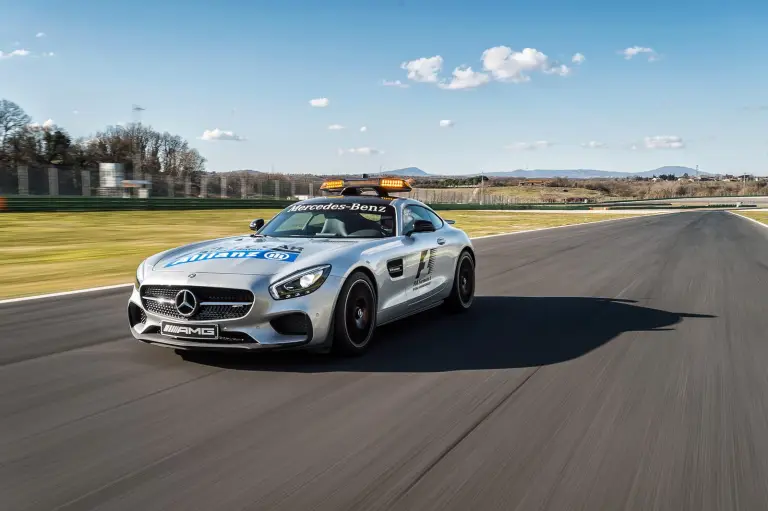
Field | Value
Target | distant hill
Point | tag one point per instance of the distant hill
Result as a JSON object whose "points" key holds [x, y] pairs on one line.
{"points": [[552, 173], [243, 171], [407, 172], [592, 173], [536, 173]]}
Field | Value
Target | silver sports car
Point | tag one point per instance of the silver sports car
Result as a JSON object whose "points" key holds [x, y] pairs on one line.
{"points": [[320, 275]]}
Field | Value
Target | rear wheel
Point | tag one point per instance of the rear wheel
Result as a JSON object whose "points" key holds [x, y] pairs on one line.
{"points": [[355, 315], [463, 291]]}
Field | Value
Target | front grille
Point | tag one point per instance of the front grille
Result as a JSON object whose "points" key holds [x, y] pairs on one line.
{"points": [[215, 303]]}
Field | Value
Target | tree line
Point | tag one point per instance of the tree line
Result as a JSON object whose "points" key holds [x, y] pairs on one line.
{"points": [[133, 145]]}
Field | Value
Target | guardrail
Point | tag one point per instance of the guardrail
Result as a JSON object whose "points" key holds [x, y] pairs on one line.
{"points": [[25, 204], [44, 204]]}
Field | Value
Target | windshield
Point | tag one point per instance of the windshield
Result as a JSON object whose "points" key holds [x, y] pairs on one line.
{"points": [[333, 220]]}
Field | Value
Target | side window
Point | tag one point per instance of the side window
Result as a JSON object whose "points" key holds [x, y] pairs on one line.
{"points": [[413, 213], [436, 220]]}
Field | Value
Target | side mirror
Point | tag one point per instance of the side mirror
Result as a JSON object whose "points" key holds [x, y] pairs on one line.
{"points": [[422, 226], [257, 224]]}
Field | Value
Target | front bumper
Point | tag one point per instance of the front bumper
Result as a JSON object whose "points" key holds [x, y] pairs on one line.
{"points": [[263, 327]]}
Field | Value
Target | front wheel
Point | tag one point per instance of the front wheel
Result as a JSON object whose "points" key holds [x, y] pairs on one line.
{"points": [[463, 291], [354, 318]]}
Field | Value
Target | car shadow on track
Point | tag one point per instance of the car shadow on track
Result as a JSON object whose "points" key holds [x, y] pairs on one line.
{"points": [[497, 333]]}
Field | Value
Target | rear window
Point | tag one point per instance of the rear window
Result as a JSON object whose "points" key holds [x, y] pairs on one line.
{"points": [[333, 220]]}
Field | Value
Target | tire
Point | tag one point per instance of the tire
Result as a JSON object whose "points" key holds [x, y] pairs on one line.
{"points": [[463, 292], [354, 319]]}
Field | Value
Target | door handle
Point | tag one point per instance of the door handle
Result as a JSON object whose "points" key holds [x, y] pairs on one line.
{"points": [[441, 241]]}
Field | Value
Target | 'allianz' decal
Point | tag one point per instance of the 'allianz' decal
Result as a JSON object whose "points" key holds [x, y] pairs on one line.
{"points": [[271, 255]]}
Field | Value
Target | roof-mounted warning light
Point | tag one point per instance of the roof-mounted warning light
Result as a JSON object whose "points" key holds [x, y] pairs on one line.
{"points": [[382, 186]]}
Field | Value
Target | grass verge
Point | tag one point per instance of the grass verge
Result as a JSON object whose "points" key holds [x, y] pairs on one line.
{"points": [[51, 252], [760, 216]]}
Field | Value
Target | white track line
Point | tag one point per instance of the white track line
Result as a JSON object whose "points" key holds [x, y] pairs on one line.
{"points": [[118, 286], [758, 222], [64, 293]]}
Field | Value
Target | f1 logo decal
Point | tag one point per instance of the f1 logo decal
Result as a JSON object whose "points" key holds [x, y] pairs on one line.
{"points": [[427, 261]]}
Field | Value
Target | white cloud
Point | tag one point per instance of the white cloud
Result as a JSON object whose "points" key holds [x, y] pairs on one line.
{"points": [[319, 102], [217, 134], [40, 34], [14, 53], [75, 112], [363, 129], [637, 50], [507, 65], [47, 125], [465, 78], [664, 142], [578, 58], [500, 63], [424, 69], [446, 123], [364, 151], [395, 83], [49, 54], [335, 127], [558, 69], [530, 146], [593, 144]]}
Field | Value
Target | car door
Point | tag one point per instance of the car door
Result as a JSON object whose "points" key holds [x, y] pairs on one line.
{"points": [[445, 256], [421, 265]]}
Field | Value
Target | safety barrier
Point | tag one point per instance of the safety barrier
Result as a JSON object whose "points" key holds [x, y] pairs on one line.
{"points": [[26, 204], [17, 204]]}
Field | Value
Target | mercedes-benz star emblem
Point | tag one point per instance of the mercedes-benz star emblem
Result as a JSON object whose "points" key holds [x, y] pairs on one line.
{"points": [[186, 303]]}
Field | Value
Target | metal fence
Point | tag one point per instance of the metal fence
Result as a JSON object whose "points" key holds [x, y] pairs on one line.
{"points": [[58, 181], [55, 181]]}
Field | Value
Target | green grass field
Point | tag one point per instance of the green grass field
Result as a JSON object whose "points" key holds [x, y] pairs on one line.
{"points": [[760, 216], [519, 193], [50, 252]]}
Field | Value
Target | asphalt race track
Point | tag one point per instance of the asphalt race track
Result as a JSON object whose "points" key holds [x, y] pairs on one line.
{"points": [[621, 365]]}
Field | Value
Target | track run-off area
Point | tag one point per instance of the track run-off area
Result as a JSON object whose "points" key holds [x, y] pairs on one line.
{"points": [[618, 365]]}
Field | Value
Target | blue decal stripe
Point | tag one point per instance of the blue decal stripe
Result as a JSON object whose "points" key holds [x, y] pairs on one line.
{"points": [[271, 255]]}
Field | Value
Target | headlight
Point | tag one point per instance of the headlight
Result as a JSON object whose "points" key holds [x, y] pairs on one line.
{"points": [[300, 284], [139, 275]]}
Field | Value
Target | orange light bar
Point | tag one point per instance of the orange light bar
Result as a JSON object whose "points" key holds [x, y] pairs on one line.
{"points": [[328, 185], [389, 183]]}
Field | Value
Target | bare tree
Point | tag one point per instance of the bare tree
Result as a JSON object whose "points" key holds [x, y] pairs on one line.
{"points": [[171, 149], [12, 120], [191, 163]]}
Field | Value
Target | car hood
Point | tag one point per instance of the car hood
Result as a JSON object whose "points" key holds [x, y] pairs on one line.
{"points": [[248, 255]]}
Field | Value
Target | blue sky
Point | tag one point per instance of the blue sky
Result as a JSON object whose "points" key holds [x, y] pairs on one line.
{"points": [[251, 68]]}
